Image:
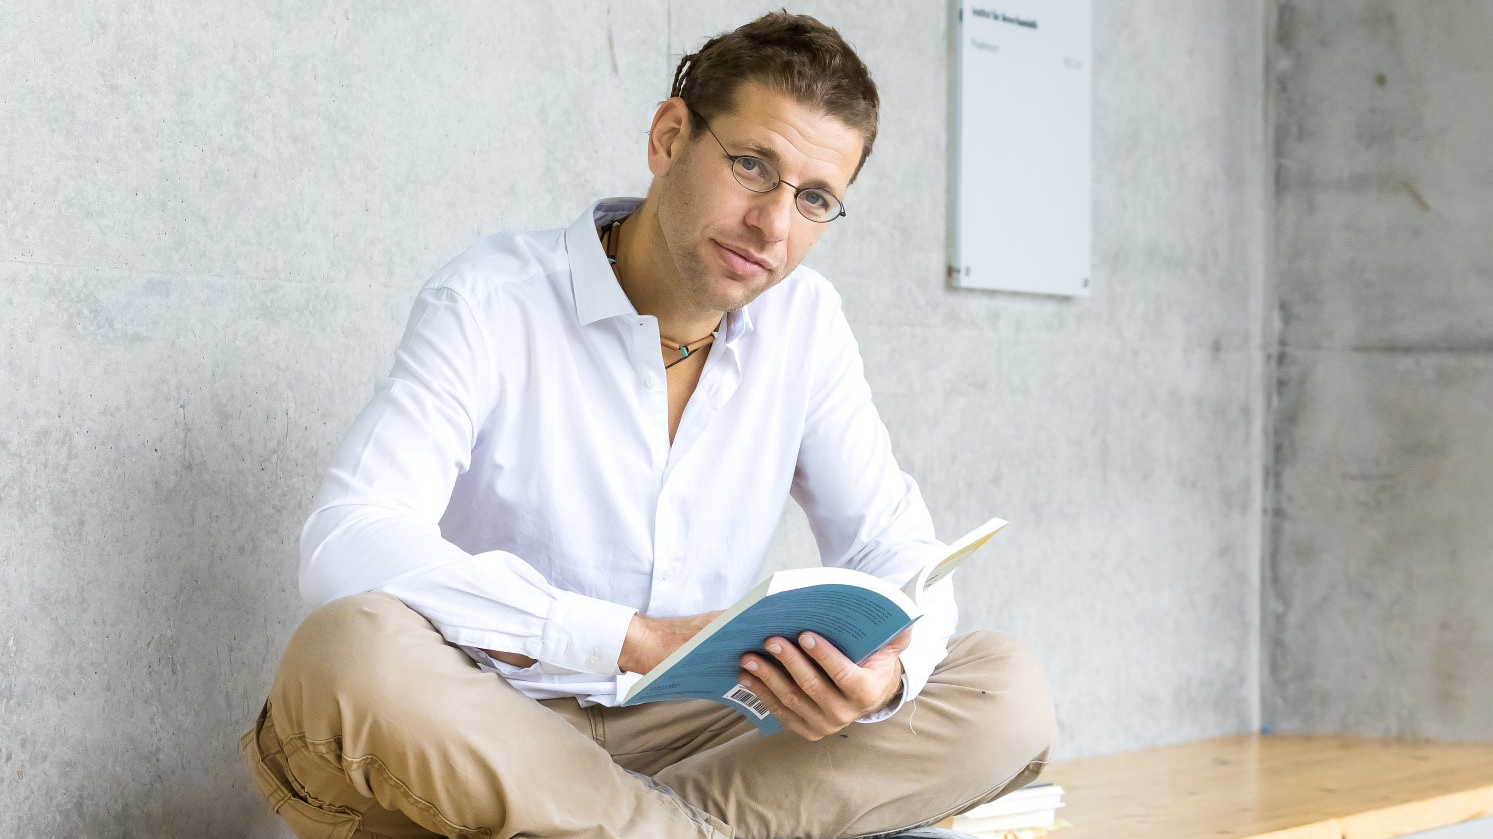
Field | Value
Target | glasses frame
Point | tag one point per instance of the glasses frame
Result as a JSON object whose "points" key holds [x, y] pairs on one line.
{"points": [[777, 176]]}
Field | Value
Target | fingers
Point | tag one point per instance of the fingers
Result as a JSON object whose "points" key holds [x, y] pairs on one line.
{"points": [[840, 670], [814, 689], [797, 686], [789, 719], [808, 689], [867, 685], [817, 683]]}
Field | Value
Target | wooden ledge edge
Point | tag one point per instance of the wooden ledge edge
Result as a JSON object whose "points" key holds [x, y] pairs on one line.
{"points": [[1416, 816], [1329, 829], [1403, 819]]}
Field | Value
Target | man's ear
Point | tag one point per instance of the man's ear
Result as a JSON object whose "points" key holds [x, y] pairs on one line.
{"points": [[668, 135]]}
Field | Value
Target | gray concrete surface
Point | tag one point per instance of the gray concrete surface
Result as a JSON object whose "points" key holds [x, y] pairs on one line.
{"points": [[213, 220], [1380, 570]]}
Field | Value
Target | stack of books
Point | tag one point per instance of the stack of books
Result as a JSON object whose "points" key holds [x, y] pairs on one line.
{"points": [[1028, 813]]}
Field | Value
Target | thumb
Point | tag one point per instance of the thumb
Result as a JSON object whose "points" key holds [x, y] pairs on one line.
{"points": [[902, 641], [893, 647]]}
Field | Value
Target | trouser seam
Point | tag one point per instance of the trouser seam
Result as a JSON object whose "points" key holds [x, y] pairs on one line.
{"points": [[272, 790], [598, 725], [331, 750], [700, 817], [271, 771]]}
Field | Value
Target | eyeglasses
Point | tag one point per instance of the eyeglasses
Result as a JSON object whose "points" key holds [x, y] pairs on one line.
{"points": [[754, 173]]}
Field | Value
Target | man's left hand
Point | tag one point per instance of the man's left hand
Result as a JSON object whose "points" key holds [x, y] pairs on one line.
{"points": [[814, 690]]}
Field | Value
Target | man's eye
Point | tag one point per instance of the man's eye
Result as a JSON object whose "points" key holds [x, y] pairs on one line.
{"points": [[750, 164], [815, 198]]}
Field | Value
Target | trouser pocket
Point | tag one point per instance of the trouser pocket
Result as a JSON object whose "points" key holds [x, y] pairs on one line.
{"points": [[307, 819]]}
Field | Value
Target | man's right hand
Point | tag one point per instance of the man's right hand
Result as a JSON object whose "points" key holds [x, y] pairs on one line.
{"points": [[651, 640]]}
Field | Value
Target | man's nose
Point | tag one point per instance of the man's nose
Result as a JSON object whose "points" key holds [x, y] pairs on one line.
{"points": [[773, 213]]}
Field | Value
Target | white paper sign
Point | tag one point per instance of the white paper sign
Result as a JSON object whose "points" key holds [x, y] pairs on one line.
{"points": [[1024, 195]]}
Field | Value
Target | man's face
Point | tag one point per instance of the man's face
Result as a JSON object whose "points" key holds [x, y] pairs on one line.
{"points": [[728, 243]]}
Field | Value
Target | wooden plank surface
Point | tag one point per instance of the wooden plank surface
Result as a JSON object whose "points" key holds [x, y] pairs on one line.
{"points": [[1276, 786]]}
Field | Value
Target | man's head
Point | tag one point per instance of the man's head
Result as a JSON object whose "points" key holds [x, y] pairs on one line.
{"points": [[792, 55], [785, 91]]}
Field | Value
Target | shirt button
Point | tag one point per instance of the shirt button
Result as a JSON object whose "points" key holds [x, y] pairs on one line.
{"points": [[650, 382], [591, 662]]}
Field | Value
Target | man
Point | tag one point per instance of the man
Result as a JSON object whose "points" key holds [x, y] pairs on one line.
{"points": [[577, 460]]}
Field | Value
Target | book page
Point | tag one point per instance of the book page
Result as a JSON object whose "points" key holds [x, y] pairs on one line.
{"points": [[957, 553]]}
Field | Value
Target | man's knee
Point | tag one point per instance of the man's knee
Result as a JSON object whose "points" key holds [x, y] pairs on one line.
{"points": [[1014, 708], [353, 646]]}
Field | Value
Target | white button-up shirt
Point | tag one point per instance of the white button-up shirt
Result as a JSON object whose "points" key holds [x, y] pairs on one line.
{"points": [[512, 479]]}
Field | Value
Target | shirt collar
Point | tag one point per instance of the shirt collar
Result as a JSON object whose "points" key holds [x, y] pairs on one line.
{"points": [[598, 295], [738, 323]]}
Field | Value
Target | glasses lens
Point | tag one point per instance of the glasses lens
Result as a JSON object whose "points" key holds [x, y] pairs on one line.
{"points": [[818, 205], [755, 174]]}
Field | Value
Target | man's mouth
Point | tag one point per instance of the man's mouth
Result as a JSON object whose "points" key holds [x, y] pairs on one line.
{"points": [[744, 263]]}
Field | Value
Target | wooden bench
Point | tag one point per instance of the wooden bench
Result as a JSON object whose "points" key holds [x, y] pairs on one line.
{"points": [[1275, 786]]}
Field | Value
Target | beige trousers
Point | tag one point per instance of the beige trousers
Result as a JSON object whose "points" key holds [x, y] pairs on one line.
{"points": [[375, 727]]}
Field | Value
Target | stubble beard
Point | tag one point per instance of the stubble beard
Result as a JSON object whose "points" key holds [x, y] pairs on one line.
{"points": [[687, 246]]}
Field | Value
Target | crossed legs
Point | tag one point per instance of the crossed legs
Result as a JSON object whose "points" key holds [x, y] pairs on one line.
{"points": [[376, 727]]}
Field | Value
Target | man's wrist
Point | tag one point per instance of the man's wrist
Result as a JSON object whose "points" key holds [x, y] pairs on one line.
{"points": [[633, 645], [892, 706], [899, 681]]}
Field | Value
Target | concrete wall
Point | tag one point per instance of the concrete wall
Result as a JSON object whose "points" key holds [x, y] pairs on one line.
{"points": [[212, 224], [1380, 571]]}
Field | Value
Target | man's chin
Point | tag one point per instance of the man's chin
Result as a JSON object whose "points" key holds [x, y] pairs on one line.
{"points": [[730, 294]]}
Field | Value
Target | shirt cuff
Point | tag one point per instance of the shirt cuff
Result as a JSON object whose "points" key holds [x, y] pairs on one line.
{"points": [[918, 663], [584, 635]]}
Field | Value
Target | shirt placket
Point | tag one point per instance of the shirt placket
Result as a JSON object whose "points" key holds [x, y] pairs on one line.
{"points": [[647, 369], [684, 483], [653, 390]]}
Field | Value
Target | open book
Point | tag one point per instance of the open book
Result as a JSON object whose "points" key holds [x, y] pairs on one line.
{"points": [[855, 611]]}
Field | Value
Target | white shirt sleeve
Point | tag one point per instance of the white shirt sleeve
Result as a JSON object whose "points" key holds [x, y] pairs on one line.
{"points": [[865, 512], [375, 522]]}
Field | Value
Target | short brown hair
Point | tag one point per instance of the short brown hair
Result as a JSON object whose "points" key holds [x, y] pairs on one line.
{"points": [[795, 55]]}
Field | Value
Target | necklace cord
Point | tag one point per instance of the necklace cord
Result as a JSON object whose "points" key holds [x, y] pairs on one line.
{"points": [[685, 350]]}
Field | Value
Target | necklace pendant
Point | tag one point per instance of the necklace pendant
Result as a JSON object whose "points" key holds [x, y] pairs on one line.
{"points": [[684, 352]]}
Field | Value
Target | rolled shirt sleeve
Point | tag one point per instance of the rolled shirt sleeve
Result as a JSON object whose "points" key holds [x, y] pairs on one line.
{"points": [[864, 511], [375, 521]]}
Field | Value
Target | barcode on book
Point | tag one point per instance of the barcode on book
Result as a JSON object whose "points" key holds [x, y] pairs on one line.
{"points": [[748, 700]]}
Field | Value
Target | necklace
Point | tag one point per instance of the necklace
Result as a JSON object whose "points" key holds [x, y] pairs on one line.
{"points": [[686, 349], [611, 246]]}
